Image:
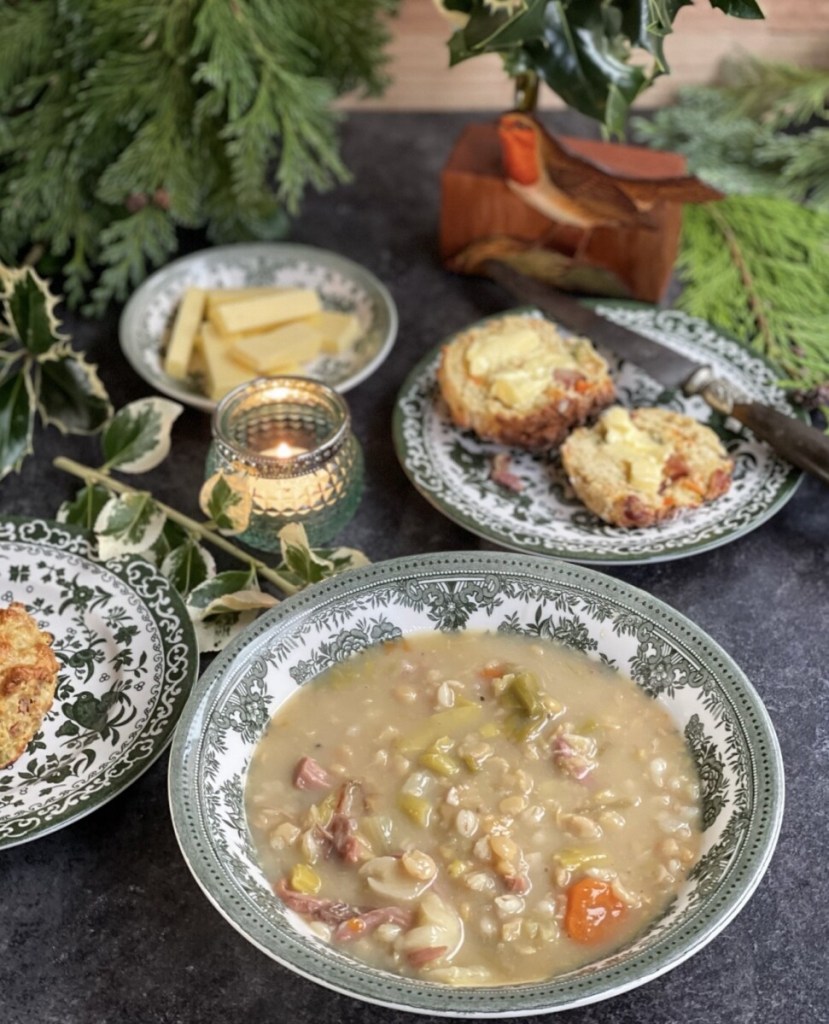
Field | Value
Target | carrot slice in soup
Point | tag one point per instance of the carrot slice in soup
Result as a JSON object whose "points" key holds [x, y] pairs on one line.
{"points": [[592, 911]]}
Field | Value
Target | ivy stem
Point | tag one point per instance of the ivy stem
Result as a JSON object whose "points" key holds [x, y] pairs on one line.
{"points": [[203, 530]]}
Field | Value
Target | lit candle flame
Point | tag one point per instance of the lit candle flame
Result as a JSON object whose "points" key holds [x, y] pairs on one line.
{"points": [[284, 450]]}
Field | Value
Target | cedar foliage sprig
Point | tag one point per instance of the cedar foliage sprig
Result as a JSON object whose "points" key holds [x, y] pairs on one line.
{"points": [[757, 263], [120, 122]]}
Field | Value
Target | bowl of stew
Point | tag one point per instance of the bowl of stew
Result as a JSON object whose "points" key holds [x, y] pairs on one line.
{"points": [[476, 784]]}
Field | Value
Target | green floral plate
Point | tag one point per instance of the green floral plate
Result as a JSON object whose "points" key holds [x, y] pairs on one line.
{"points": [[451, 467], [127, 657], [726, 726], [342, 284]]}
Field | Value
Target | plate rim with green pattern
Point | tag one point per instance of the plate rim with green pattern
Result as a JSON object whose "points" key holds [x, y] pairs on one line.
{"points": [[423, 433], [128, 658], [728, 730]]}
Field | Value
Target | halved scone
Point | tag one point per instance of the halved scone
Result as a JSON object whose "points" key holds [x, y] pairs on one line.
{"points": [[28, 678], [518, 381], [639, 468]]}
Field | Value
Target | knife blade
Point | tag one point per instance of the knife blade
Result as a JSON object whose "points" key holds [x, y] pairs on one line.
{"points": [[801, 444]]}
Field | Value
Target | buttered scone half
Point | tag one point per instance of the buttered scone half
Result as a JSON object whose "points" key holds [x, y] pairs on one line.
{"points": [[28, 678], [518, 381], [639, 468]]}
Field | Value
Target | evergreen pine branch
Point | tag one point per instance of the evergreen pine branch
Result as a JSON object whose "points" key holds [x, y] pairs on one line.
{"points": [[776, 93], [129, 247], [758, 267], [201, 112]]}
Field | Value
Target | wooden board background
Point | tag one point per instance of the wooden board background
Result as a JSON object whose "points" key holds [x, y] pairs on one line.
{"points": [[793, 30]]}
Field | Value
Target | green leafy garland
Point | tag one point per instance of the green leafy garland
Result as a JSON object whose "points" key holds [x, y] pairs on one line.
{"points": [[757, 263], [582, 49], [120, 122]]}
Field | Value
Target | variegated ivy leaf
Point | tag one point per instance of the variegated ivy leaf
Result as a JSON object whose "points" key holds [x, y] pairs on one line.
{"points": [[17, 421], [303, 565], [29, 310], [210, 605], [137, 437], [85, 507], [240, 601], [188, 566], [226, 501], [128, 524], [70, 394]]}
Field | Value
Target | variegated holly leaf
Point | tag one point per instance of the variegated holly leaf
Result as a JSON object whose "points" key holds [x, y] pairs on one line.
{"points": [[226, 501], [188, 566], [303, 565], [137, 437], [29, 310], [128, 524], [70, 395], [17, 421], [84, 509], [211, 607]]}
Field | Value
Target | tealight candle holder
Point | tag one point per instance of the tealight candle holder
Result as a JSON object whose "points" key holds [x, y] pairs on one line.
{"points": [[290, 439]]}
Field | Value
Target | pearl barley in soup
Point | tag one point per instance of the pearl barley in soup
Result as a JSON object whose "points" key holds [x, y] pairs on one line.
{"points": [[474, 808]]}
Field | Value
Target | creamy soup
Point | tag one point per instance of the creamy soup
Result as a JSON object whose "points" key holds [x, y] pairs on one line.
{"points": [[474, 808]]}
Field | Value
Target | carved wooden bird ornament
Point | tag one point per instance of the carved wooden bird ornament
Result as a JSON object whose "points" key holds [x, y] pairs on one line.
{"points": [[571, 190]]}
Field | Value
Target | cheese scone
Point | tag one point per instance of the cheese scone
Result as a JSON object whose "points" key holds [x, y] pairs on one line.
{"points": [[28, 677], [516, 380], [638, 468]]}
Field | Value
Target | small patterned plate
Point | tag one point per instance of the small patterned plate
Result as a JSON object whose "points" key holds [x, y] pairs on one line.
{"points": [[726, 727], [451, 467], [128, 658], [342, 285]]}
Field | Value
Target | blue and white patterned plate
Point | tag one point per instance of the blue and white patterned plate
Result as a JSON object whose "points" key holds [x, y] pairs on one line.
{"points": [[724, 722], [342, 285], [451, 467], [127, 656]]}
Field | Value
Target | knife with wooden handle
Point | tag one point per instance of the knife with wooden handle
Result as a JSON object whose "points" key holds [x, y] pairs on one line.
{"points": [[804, 446]]}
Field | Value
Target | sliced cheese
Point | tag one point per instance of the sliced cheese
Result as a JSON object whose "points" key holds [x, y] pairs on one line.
{"points": [[216, 296], [338, 331], [263, 311], [183, 335], [273, 351], [222, 372]]}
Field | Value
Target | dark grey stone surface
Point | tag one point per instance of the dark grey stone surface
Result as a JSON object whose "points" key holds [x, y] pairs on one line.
{"points": [[102, 923]]}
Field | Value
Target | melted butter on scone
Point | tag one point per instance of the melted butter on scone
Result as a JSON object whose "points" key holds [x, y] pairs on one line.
{"points": [[643, 455], [516, 364]]}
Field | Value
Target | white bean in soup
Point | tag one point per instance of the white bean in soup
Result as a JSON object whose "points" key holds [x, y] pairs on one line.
{"points": [[474, 808]]}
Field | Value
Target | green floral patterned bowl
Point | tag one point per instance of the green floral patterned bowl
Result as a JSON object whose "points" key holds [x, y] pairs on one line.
{"points": [[726, 726]]}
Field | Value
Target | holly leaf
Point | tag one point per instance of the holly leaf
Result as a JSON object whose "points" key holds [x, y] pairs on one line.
{"points": [[70, 395], [128, 524], [84, 509], [29, 307], [227, 502], [188, 566], [137, 437], [17, 421], [739, 8], [303, 565]]}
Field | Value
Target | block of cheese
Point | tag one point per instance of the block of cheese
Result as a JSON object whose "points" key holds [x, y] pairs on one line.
{"points": [[185, 328], [338, 331], [219, 295], [245, 316], [272, 351], [222, 372]]}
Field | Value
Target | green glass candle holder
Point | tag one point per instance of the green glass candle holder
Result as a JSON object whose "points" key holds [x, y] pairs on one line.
{"points": [[290, 440]]}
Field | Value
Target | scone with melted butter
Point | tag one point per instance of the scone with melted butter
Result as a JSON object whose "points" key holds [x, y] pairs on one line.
{"points": [[516, 380], [638, 468], [28, 678]]}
